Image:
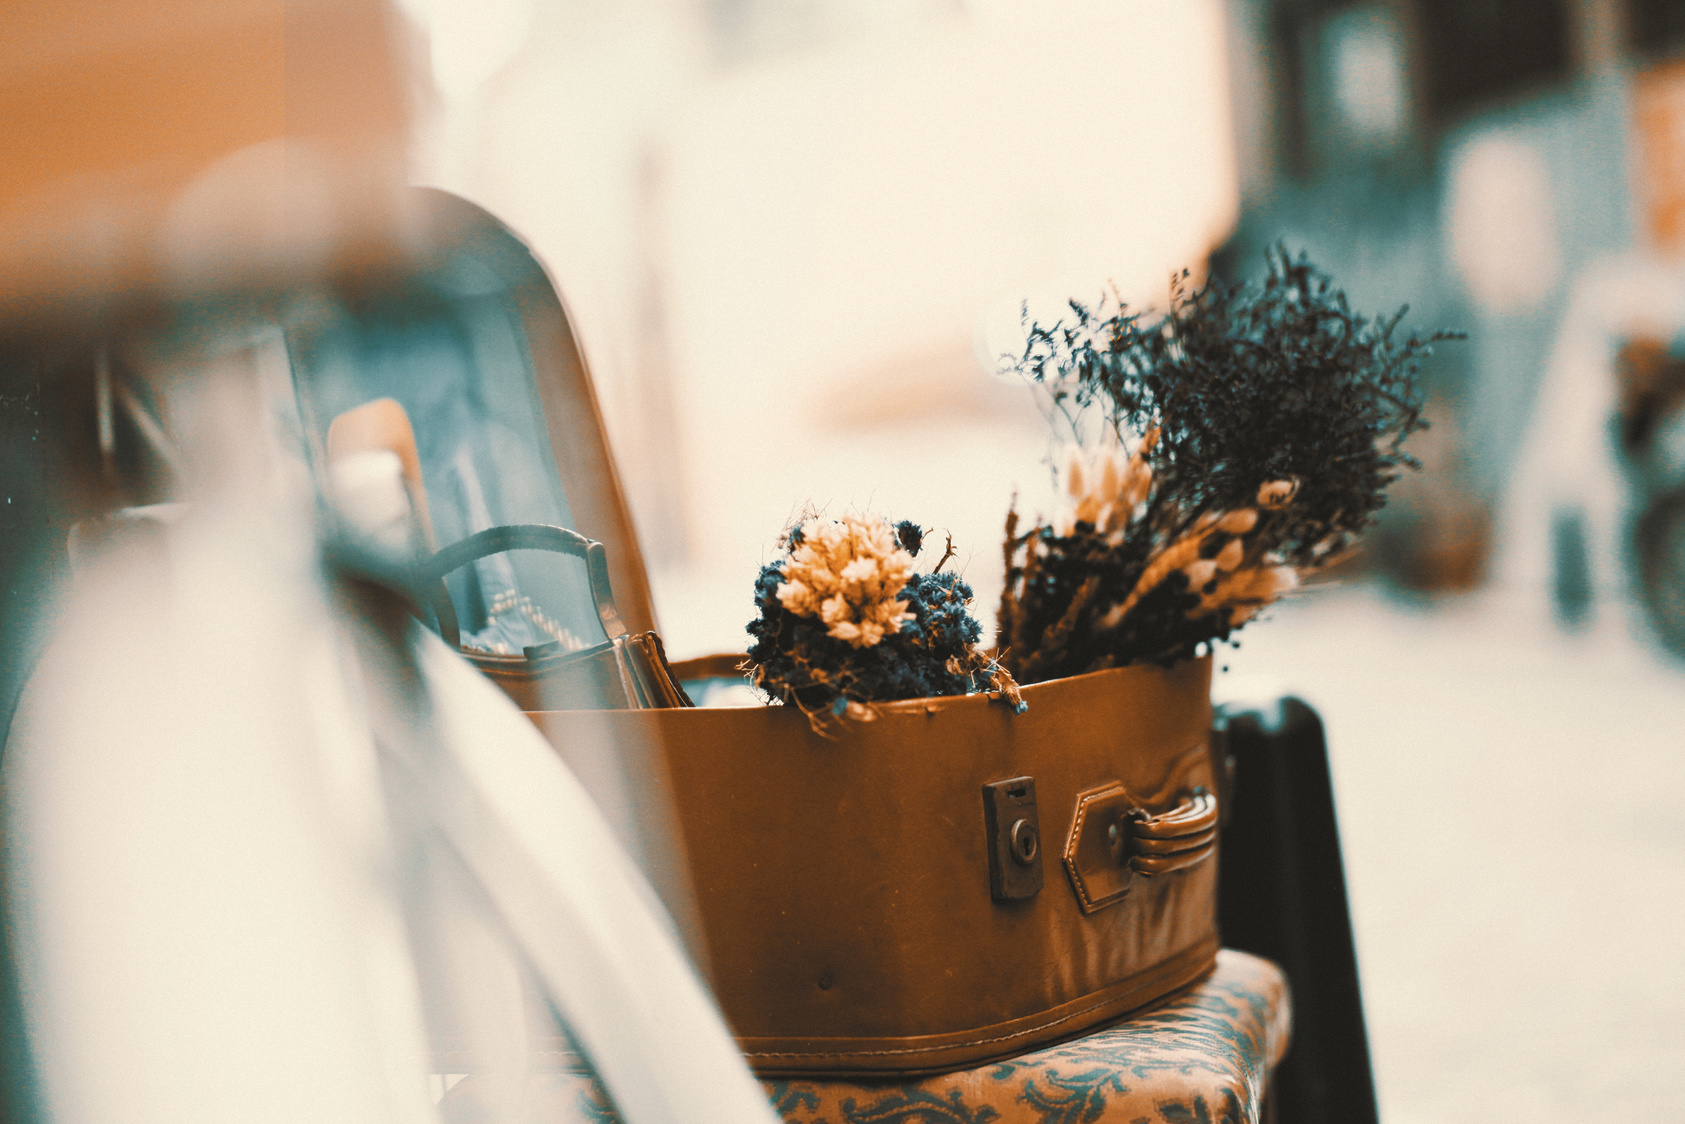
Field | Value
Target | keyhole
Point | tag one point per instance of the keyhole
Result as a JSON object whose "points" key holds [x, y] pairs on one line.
{"points": [[1025, 844]]}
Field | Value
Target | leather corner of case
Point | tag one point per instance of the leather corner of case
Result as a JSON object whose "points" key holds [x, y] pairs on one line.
{"points": [[1097, 851]]}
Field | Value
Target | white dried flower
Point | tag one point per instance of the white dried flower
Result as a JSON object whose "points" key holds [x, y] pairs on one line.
{"points": [[1276, 494], [848, 572], [1237, 522], [1200, 572], [1245, 592], [1102, 487], [1233, 552]]}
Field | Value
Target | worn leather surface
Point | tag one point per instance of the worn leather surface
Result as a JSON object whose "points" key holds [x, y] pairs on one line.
{"points": [[1204, 1057], [843, 880]]}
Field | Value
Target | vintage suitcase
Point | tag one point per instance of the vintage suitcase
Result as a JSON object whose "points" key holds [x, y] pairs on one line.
{"points": [[950, 882], [947, 883]]}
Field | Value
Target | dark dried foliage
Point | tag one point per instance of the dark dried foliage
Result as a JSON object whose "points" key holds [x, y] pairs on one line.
{"points": [[1245, 385]]}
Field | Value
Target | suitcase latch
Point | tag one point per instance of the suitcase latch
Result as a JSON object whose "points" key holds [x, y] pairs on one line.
{"points": [[1013, 834]]}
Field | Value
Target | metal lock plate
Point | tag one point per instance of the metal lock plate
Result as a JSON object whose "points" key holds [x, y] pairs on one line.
{"points": [[1012, 831], [1098, 851]]}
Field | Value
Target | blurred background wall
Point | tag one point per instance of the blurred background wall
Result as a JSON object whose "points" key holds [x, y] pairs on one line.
{"points": [[793, 234], [797, 233]]}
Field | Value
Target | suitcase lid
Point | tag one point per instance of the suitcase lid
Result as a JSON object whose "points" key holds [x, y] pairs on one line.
{"points": [[476, 347]]}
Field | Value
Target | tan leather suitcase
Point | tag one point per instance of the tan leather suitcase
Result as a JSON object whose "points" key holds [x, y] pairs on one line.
{"points": [[950, 882], [947, 883]]}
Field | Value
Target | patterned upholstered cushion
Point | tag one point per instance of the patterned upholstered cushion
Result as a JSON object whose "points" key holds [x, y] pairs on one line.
{"points": [[1202, 1058]]}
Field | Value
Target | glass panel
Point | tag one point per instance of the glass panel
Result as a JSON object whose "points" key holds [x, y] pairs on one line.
{"points": [[449, 348]]}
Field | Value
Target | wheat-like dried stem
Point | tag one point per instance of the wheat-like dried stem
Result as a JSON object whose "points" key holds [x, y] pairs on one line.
{"points": [[1051, 650]]}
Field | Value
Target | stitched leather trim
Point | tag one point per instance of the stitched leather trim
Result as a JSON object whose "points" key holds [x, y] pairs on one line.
{"points": [[936, 1053]]}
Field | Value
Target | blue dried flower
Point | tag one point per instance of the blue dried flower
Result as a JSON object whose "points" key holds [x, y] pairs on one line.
{"points": [[799, 658]]}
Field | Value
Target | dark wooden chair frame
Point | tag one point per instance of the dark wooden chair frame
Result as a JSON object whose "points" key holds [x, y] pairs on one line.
{"points": [[1282, 895]]}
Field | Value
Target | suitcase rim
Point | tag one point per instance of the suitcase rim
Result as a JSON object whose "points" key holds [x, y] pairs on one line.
{"points": [[938, 1053]]}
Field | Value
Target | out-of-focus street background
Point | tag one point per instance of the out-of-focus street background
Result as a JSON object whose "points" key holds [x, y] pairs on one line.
{"points": [[1508, 809], [795, 234]]}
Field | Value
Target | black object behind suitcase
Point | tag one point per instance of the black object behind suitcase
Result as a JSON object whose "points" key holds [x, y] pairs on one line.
{"points": [[1282, 894]]}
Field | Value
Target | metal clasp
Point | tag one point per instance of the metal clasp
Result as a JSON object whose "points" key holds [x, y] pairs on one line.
{"points": [[1012, 831]]}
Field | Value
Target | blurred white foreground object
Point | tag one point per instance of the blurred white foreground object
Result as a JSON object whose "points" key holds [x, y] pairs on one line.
{"points": [[255, 814]]}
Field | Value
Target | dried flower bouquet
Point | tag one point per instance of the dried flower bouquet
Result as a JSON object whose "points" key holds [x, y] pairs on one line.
{"points": [[1250, 434], [845, 620]]}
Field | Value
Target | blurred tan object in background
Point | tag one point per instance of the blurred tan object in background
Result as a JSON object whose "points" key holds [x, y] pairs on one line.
{"points": [[1651, 379], [1650, 382], [382, 426], [195, 144], [1658, 119], [1434, 536], [1502, 226]]}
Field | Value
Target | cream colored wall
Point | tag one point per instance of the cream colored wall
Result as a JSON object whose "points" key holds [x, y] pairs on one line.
{"points": [[785, 269]]}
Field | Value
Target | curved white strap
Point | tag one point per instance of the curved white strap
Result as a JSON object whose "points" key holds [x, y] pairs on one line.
{"points": [[582, 913]]}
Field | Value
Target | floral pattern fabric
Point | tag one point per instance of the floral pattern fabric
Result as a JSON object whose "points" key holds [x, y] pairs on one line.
{"points": [[1204, 1057]]}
